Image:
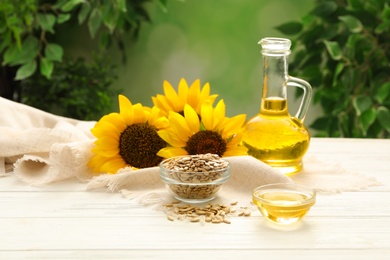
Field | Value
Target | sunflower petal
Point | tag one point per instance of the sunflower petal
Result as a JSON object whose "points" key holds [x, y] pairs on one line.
{"points": [[194, 94], [233, 125], [235, 140], [205, 92], [115, 119], [169, 152], [125, 109], [207, 116], [183, 91], [178, 125], [96, 162], [161, 102], [161, 123], [219, 115], [105, 129], [205, 96], [113, 165], [105, 152], [192, 119], [172, 98], [235, 151], [139, 114], [107, 142], [171, 139], [157, 119]]}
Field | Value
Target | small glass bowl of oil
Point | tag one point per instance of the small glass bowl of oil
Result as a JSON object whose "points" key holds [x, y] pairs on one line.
{"points": [[283, 203]]}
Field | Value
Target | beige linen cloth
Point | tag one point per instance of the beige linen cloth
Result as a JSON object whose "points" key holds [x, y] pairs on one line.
{"points": [[40, 148]]}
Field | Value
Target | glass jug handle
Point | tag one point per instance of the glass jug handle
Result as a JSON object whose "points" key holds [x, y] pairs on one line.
{"points": [[307, 93]]}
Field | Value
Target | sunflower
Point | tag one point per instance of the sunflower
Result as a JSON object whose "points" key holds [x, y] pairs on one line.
{"points": [[211, 133], [128, 138], [193, 96]]}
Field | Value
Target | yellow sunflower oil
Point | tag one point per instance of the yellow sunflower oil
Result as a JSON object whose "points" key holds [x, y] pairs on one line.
{"points": [[284, 207], [273, 135], [276, 138]]}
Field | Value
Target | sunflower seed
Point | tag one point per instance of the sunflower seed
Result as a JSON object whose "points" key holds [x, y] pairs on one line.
{"points": [[227, 221], [209, 213], [195, 219]]}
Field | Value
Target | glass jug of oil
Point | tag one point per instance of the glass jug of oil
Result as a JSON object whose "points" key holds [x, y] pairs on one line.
{"points": [[273, 135]]}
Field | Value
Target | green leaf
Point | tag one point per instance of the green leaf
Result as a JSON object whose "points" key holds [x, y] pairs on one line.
{"points": [[337, 71], [340, 107], [321, 123], [70, 5], [290, 28], [54, 52], [355, 4], [354, 25], [163, 5], [109, 17], [311, 70], [383, 92], [366, 119], [63, 18], [307, 19], [384, 117], [122, 5], [60, 3], [352, 42], [28, 18], [104, 40], [28, 51], [384, 26], [361, 104], [46, 67], [325, 8], [84, 11], [46, 22], [26, 70], [385, 14], [3, 28], [343, 120], [94, 22], [331, 32], [10, 55], [333, 49], [6, 40]]}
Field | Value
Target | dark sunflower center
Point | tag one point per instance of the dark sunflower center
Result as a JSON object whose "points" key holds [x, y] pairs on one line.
{"points": [[206, 142], [139, 144]]}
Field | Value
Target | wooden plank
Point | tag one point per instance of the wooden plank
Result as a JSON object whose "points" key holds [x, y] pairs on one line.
{"points": [[151, 232], [226, 254], [104, 204]]}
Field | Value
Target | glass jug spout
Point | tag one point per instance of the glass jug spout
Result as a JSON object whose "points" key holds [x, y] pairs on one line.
{"points": [[275, 46]]}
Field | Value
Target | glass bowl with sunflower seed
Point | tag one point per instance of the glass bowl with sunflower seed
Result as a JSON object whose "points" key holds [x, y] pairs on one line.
{"points": [[195, 178]]}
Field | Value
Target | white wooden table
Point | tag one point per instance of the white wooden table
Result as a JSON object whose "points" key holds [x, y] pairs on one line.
{"points": [[64, 221]]}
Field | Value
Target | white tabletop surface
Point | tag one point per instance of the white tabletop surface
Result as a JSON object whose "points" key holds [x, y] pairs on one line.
{"points": [[64, 221]]}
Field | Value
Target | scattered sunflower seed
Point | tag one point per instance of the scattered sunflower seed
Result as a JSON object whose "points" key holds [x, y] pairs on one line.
{"points": [[210, 213]]}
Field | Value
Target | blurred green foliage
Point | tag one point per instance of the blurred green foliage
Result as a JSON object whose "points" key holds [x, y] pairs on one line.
{"points": [[76, 89], [27, 27], [342, 47], [29, 48]]}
